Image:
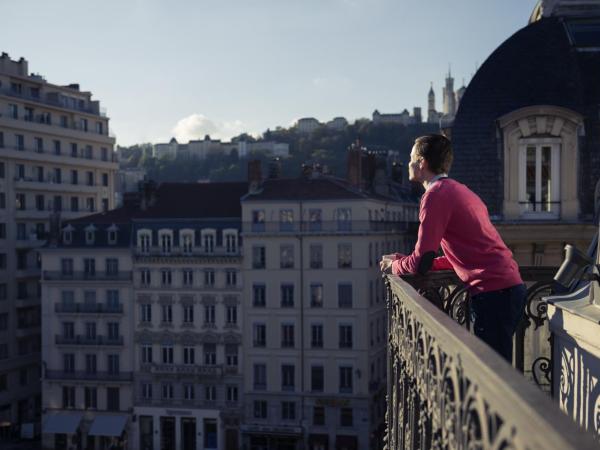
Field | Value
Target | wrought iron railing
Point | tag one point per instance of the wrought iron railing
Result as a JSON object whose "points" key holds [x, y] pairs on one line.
{"points": [[449, 390]]}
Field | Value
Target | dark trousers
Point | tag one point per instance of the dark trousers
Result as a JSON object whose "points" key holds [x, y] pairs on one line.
{"points": [[495, 316]]}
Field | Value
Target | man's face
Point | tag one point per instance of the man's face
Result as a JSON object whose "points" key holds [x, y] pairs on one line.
{"points": [[415, 172]]}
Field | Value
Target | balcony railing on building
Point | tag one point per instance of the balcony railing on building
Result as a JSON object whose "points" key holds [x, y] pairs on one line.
{"points": [[448, 389], [89, 340], [57, 275], [184, 369], [82, 375], [175, 251], [89, 308], [330, 226]]}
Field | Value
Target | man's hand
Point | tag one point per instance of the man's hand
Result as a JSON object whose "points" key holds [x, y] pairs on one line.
{"points": [[386, 262]]}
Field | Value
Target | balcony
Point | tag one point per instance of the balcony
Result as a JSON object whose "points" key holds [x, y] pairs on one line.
{"points": [[87, 308], [177, 252], [448, 389], [85, 340], [329, 227], [56, 275], [81, 375], [35, 155], [55, 100], [183, 369], [73, 131], [49, 184]]}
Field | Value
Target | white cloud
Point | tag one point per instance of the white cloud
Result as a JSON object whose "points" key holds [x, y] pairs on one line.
{"points": [[196, 126]]}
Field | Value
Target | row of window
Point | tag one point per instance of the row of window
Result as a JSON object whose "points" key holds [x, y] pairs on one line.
{"points": [[317, 378], [189, 392], [186, 277], [286, 217], [41, 202], [111, 266], [187, 355], [340, 215], [90, 330], [29, 114], [57, 147], [188, 314], [287, 295], [71, 397], [91, 363], [187, 241], [287, 259], [55, 175], [288, 412], [288, 338]]}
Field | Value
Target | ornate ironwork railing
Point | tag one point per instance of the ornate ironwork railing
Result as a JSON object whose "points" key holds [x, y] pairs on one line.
{"points": [[448, 390]]}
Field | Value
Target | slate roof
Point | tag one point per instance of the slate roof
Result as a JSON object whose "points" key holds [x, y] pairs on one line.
{"points": [[536, 66], [180, 201]]}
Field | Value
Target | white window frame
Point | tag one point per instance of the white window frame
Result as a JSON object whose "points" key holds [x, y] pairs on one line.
{"points": [[186, 241], [538, 143], [230, 240], [209, 240], [144, 241], [165, 241]]}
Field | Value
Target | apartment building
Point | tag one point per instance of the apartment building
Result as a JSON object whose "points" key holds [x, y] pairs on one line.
{"points": [[163, 321], [87, 344], [188, 314], [314, 320], [56, 157]]}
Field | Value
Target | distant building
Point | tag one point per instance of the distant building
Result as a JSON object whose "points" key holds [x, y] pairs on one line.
{"points": [[403, 118], [307, 125], [337, 123], [272, 148], [450, 103], [128, 180], [168, 150], [201, 149]]}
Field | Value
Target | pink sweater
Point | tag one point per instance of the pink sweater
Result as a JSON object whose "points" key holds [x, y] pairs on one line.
{"points": [[455, 217]]}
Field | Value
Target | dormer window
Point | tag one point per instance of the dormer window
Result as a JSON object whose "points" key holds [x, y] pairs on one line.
{"points": [[67, 235], [144, 240], [540, 163], [186, 238], [208, 241], [90, 235], [230, 238], [112, 235], [165, 239]]}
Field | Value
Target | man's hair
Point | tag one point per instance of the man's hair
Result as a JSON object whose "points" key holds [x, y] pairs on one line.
{"points": [[436, 150]]}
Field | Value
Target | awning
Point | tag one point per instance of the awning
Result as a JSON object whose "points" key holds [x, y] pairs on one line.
{"points": [[62, 423], [111, 426]]}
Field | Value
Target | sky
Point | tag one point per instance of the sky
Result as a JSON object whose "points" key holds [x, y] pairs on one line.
{"points": [[187, 68]]}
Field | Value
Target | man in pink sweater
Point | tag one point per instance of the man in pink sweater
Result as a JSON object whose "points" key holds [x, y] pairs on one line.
{"points": [[454, 217]]}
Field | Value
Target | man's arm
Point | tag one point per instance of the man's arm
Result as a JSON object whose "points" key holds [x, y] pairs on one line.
{"points": [[434, 217]]}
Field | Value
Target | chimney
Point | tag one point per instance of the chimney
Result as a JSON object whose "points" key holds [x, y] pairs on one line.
{"points": [[148, 194], [254, 175], [368, 170], [354, 164], [381, 184], [397, 172], [306, 171], [275, 169]]}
